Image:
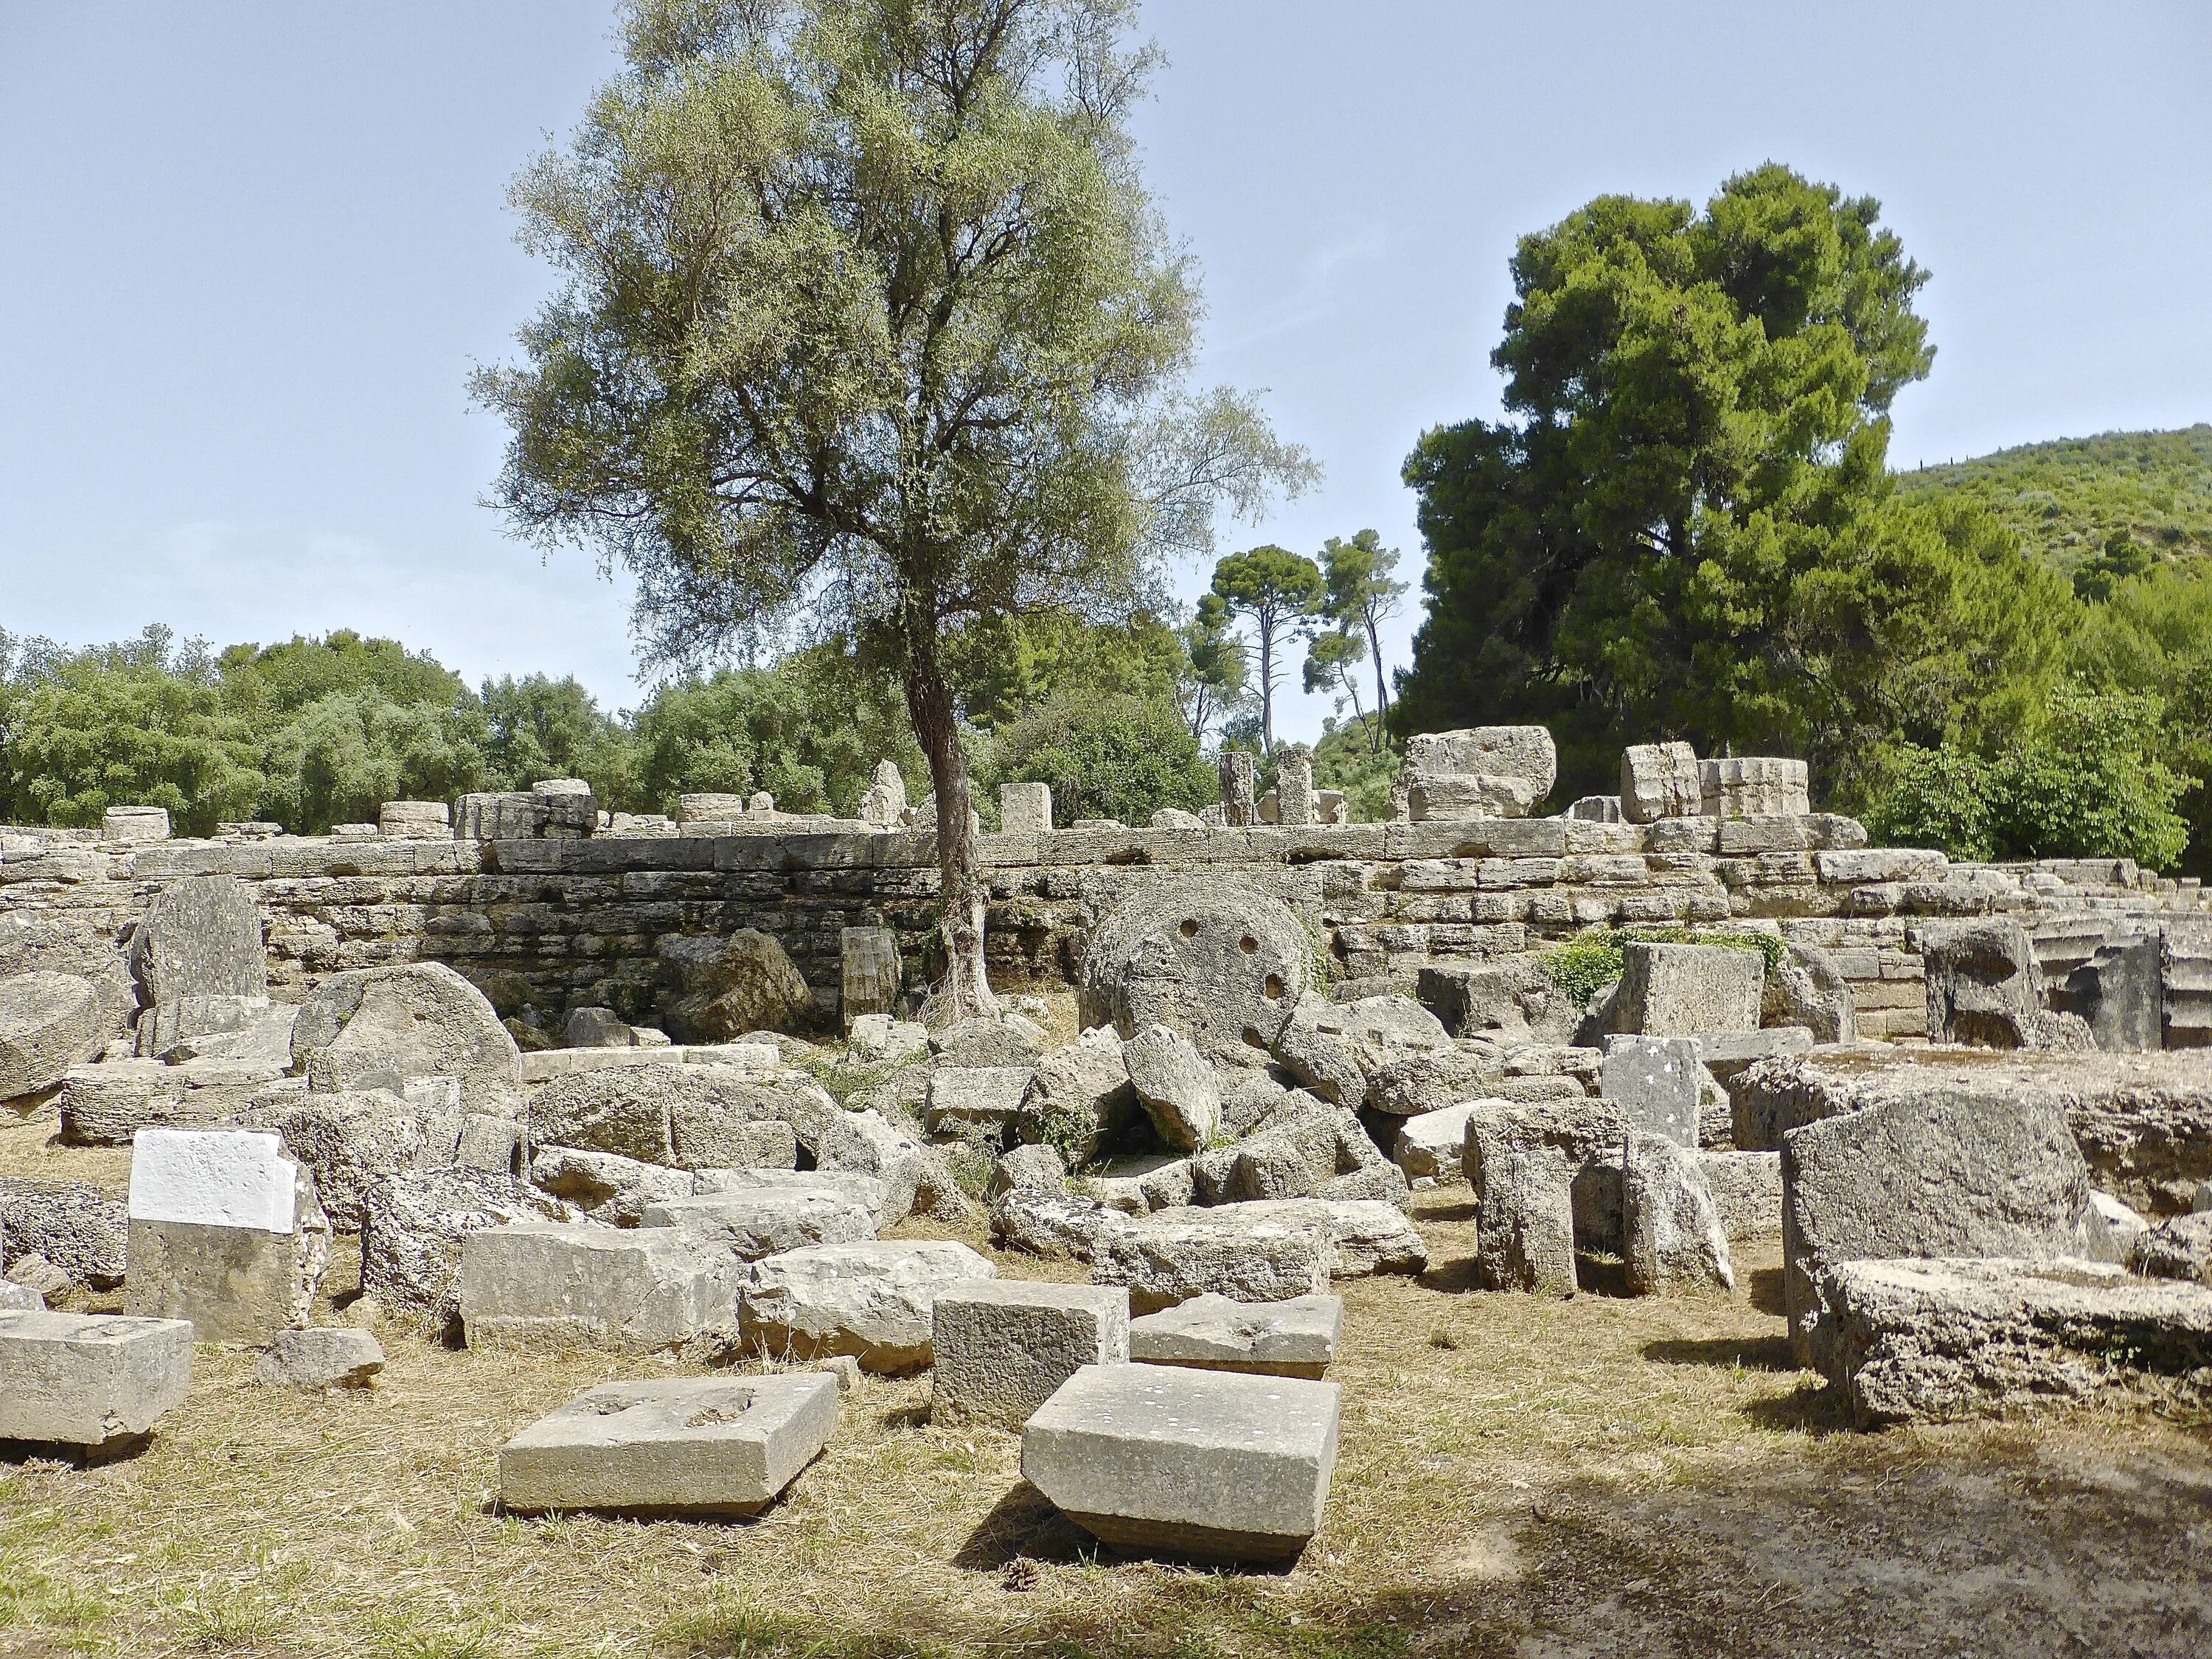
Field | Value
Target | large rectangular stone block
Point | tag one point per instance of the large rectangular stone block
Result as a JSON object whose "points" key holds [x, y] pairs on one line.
{"points": [[1004, 1346], [870, 972], [1655, 1082], [1203, 1464], [1296, 1338], [689, 1446], [639, 1290], [90, 1380], [1688, 990]]}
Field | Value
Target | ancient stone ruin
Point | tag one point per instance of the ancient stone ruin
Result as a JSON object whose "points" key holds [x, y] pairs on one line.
{"points": [[662, 1088]]}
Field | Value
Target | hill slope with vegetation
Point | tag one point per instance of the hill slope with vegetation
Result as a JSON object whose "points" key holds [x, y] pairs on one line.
{"points": [[2074, 501]]}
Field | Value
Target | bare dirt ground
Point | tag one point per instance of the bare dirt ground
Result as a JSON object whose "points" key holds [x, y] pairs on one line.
{"points": [[1518, 1477]]}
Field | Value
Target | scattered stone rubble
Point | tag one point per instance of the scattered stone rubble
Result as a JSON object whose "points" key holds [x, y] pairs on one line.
{"points": [[1288, 1023]]}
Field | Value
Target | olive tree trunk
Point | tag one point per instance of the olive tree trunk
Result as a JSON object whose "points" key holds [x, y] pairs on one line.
{"points": [[960, 888]]}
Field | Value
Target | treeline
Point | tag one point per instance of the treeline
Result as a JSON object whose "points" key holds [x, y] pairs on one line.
{"points": [[1685, 528], [315, 732]]}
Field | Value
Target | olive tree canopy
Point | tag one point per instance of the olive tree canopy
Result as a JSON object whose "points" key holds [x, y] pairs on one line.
{"points": [[870, 329]]}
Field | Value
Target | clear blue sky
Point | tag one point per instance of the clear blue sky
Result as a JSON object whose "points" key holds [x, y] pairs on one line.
{"points": [[248, 253]]}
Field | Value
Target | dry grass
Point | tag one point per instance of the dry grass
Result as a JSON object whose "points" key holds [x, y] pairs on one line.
{"points": [[1518, 1476]]}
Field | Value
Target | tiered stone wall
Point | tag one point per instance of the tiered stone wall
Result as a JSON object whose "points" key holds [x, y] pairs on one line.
{"points": [[549, 925]]}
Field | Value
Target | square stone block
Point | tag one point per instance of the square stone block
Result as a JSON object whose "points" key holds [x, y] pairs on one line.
{"points": [[1004, 1346], [226, 1231], [690, 1446], [1689, 990], [1296, 1338], [1203, 1464], [96, 1380]]}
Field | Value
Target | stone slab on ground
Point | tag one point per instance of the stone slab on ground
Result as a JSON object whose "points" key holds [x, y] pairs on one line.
{"points": [[90, 1380], [642, 1289], [1672, 1236], [1953, 1171], [413, 1227], [2142, 1122], [874, 1301], [106, 1104], [1172, 1256], [1296, 1338], [373, 1028], [1002, 1347], [701, 1446], [1365, 1235], [1206, 1465], [321, 1357], [1176, 1085], [1922, 1339]]}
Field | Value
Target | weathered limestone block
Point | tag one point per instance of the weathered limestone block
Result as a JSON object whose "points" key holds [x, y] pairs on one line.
{"points": [[1176, 1086], [873, 1301], [1688, 990], [1433, 1079], [1985, 987], [1656, 1083], [1036, 1168], [1754, 787], [71, 1224], [715, 990], [1430, 1145], [596, 1028], [843, 1185], [378, 1028], [1524, 752], [321, 1357], [1210, 959], [226, 1232], [1003, 1348], [48, 1024], [761, 1222], [2121, 992], [201, 936], [1172, 1256], [2142, 1122], [1336, 1049], [1434, 798], [642, 1289], [106, 1104], [870, 972], [1079, 1097], [1206, 1465], [1522, 1162], [90, 1380], [1809, 989], [880, 1038], [1747, 1191], [349, 1139], [2179, 1249], [415, 820], [1025, 809], [1239, 809], [1952, 1170], [684, 1446], [1296, 1338], [983, 1097], [883, 805], [413, 1227], [64, 943], [613, 1190], [1660, 780], [1918, 1339], [1672, 1238], [1513, 1001], [1054, 1226], [128, 824], [1294, 788], [868, 1144], [1364, 1235], [1006, 1039]]}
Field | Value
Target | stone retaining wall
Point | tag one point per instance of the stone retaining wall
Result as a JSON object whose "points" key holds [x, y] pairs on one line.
{"points": [[550, 925]]}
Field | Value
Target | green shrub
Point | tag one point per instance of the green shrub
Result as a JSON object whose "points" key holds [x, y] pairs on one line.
{"points": [[2083, 785], [1107, 757]]}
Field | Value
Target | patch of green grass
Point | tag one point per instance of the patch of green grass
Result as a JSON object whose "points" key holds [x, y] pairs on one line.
{"points": [[1589, 962]]}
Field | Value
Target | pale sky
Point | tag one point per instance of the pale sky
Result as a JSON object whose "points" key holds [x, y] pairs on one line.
{"points": [[248, 252]]}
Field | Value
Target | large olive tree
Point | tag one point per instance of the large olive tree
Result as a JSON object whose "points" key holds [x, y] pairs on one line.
{"points": [[870, 329]]}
